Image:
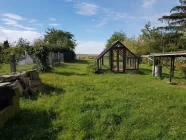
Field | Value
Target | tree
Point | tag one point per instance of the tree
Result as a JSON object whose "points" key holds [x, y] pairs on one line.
{"points": [[23, 43], [6, 44], [177, 19], [121, 36], [60, 38]]}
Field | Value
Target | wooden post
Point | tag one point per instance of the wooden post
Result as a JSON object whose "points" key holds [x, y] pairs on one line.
{"points": [[111, 60], [124, 59], [103, 60], [12, 63], [58, 56], [154, 63], [173, 67], [170, 76], [118, 60]]}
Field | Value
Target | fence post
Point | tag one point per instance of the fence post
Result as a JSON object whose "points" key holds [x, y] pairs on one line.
{"points": [[62, 57], [50, 59], [12, 63], [58, 55]]}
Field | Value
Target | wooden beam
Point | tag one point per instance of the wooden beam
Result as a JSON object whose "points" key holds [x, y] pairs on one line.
{"points": [[118, 60], [154, 63], [170, 75], [124, 59]]}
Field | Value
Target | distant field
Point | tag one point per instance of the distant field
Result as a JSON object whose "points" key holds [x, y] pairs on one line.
{"points": [[75, 105]]}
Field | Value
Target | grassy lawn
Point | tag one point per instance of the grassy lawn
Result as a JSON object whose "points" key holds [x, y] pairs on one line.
{"points": [[75, 105]]}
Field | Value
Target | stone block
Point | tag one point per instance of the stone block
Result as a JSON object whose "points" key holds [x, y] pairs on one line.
{"points": [[4, 84], [17, 84], [34, 83], [7, 78], [36, 89], [34, 75]]}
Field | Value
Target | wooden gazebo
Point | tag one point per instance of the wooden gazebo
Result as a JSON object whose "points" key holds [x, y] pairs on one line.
{"points": [[118, 58]]}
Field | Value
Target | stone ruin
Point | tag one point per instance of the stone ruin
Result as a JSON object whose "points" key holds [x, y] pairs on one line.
{"points": [[12, 87]]}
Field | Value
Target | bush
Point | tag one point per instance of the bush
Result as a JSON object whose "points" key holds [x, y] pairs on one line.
{"points": [[40, 57], [181, 65], [92, 68]]}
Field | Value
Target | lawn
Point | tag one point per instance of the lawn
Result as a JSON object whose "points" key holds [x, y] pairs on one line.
{"points": [[75, 105]]}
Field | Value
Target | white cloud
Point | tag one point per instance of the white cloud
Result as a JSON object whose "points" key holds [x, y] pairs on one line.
{"points": [[52, 19], [38, 24], [102, 22], [148, 3], [54, 24], [87, 9], [33, 21], [14, 35], [16, 24], [90, 47], [13, 16], [154, 19]]}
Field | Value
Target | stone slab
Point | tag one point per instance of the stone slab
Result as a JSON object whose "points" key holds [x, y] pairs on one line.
{"points": [[34, 83], [17, 84], [5, 84], [36, 89], [34, 75], [7, 78]]}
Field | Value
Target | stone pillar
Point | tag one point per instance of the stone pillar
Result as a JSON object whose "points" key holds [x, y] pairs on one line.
{"points": [[12, 63]]}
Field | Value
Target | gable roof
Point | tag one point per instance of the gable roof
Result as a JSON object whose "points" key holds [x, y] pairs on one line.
{"points": [[112, 45]]}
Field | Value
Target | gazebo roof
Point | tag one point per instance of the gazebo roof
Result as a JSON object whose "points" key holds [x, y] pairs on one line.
{"points": [[112, 45]]}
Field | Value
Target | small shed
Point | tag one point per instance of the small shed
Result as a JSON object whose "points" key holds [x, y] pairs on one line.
{"points": [[118, 58]]}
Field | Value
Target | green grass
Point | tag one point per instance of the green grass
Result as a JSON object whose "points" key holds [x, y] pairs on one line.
{"points": [[75, 105], [5, 68]]}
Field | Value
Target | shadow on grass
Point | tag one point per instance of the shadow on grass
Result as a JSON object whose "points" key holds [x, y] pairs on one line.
{"points": [[143, 71], [47, 90], [70, 73], [81, 61], [31, 124]]}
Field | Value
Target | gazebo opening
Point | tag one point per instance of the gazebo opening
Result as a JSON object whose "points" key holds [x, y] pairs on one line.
{"points": [[118, 58]]}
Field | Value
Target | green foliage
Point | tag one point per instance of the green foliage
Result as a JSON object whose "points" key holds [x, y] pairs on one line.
{"points": [[176, 20], [92, 68], [181, 66], [75, 105], [40, 56], [60, 38], [6, 44], [121, 36]]}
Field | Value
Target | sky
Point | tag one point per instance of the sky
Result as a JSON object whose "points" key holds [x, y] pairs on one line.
{"points": [[91, 21]]}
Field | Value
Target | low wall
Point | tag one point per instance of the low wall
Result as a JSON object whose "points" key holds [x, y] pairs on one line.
{"points": [[27, 82]]}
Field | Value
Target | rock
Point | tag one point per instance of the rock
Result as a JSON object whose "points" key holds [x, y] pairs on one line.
{"points": [[34, 75], [7, 78], [36, 89], [34, 83], [19, 86], [4, 84]]}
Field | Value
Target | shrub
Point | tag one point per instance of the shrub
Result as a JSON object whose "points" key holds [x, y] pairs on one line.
{"points": [[92, 68], [40, 57], [181, 65]]}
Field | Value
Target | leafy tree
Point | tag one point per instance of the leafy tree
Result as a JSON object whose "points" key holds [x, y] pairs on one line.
{"points": [[121, 36], [23, 43], [177, 19], [6, 44], [60, 38]]}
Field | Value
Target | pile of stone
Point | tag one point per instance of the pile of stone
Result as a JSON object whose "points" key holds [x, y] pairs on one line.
{"points": [[27, 82], [9, 102]]}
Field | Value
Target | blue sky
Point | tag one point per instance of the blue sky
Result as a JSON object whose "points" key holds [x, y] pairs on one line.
{"points": [[91, 21]]}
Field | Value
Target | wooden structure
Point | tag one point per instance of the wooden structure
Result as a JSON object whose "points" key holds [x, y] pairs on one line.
{"points": [[170, 56], [118, 58]]}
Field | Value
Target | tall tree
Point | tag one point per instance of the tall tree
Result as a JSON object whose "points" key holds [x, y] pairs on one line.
{"points": [[177, 19], [121, 36], [6, 44], [60, 38]]}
